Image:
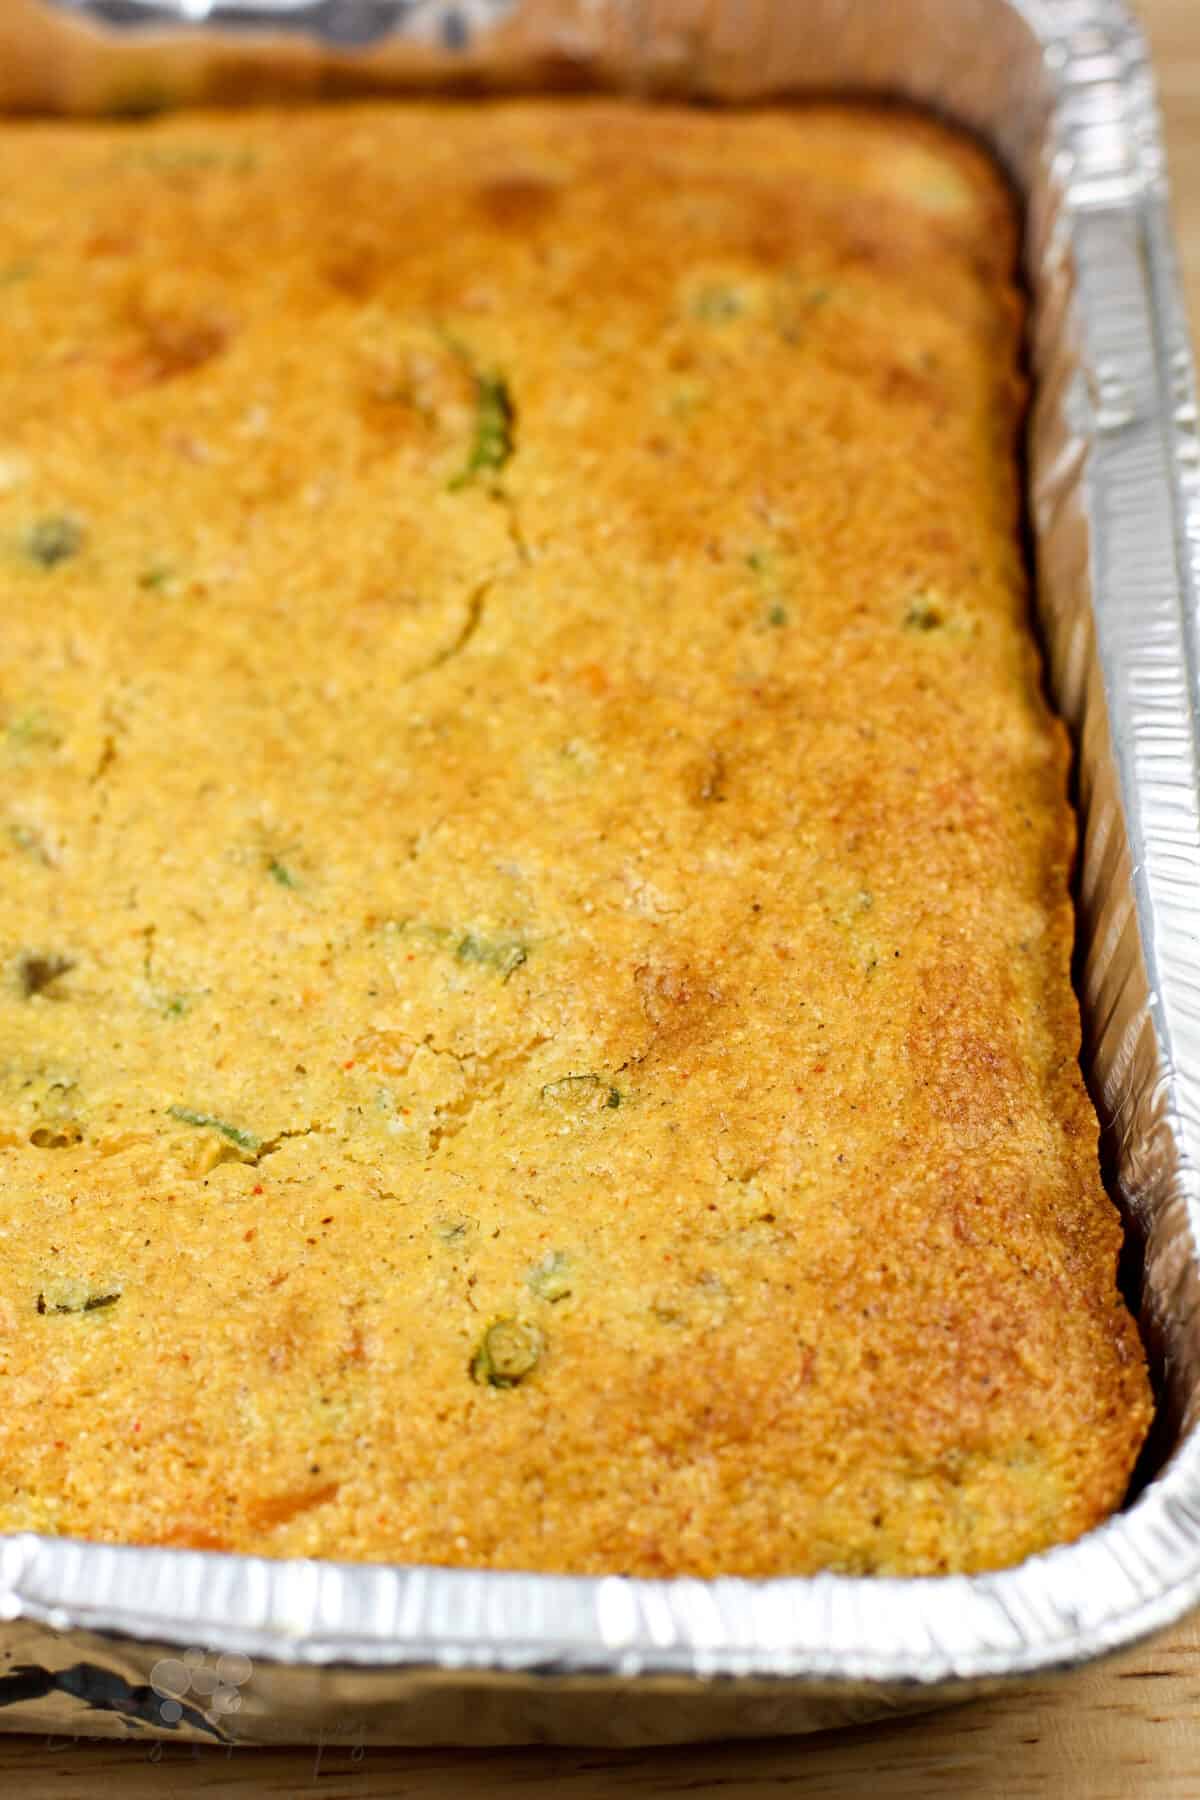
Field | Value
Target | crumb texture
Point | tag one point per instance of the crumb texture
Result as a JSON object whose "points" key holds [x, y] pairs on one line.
{"points": [[535, 1011]]}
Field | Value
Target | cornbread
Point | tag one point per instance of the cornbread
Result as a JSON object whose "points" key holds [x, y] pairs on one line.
{"points": [[537, 1027]]}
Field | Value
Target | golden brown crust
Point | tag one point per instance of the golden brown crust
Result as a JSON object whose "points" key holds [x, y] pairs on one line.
{"points": [[527, 802]]}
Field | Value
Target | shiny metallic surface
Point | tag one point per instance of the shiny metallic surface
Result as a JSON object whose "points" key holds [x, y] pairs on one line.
{"points": [[113, 1641]]}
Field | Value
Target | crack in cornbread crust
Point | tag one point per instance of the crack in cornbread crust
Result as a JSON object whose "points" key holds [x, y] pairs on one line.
{"points": [[619, 889]]}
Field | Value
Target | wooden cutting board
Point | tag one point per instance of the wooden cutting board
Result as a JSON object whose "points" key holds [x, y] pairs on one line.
{"points": [[1123, 1731]]}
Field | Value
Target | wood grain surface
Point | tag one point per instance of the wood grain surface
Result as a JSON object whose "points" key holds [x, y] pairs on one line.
{"points": [[1126, 1729]]}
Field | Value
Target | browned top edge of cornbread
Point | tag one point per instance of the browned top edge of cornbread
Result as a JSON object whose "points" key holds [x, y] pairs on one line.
{"points": [[538, 1028]]}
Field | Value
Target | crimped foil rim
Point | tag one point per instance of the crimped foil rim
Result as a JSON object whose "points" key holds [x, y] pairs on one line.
{"points": [[925, 1631]]}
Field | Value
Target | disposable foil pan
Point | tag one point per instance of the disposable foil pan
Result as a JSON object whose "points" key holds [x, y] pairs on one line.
{"points": [[167, 1642]]}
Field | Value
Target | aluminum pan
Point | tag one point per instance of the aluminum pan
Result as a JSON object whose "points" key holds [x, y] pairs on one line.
{"points": [[1061, 88]]}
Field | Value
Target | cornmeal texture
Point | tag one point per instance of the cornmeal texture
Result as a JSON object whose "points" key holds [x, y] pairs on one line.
{"points": [[537, 1027]]}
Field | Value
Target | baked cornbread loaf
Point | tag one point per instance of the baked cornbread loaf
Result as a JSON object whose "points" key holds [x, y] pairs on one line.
{"points": [[536, 1024]]}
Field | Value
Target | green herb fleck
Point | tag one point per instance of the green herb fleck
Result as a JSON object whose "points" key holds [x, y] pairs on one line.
{"points": [[582, 1093], [33, 730], [923, 615], [792, 308], [68, 1296], [493, 442], [506, 955], [54, 539], [717, 303], [454, 1231], [156, 577], [31, 842], [762, 563], [508, 1351], [245, 1140], [281, 873], [551, 1278]]}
